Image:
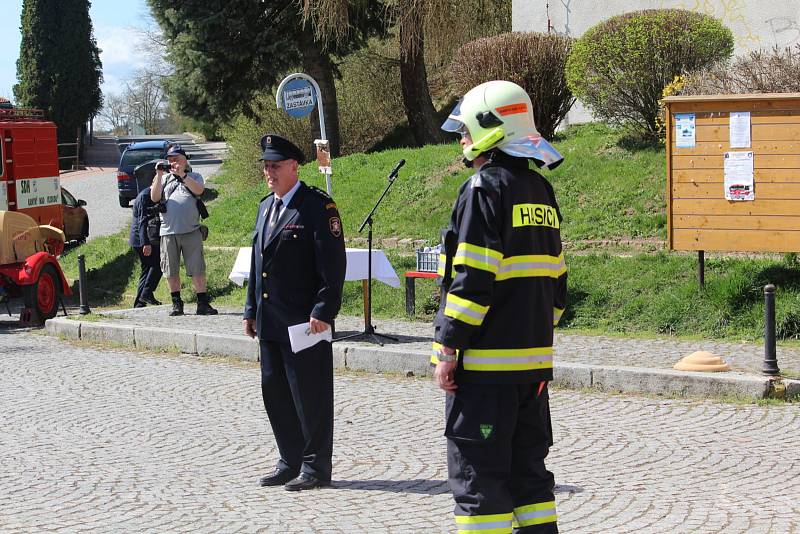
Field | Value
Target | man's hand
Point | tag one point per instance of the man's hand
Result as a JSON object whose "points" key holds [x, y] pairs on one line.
{"points": [[249, 327], [318, 326], [147, 250], [444, 374]]}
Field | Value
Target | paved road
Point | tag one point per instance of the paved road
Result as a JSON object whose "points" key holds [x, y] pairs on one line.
{"points": [[113, 441]]}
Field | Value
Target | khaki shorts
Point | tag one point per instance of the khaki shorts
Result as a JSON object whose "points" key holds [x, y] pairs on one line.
{"points": [[190, 246]]}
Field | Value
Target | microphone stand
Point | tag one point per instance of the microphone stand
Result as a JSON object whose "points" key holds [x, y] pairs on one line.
{"points": [[369, 330]]}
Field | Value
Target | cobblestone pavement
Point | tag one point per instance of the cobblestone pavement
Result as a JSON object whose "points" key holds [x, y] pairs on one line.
{"points": [[99, 440], [593, 350]]}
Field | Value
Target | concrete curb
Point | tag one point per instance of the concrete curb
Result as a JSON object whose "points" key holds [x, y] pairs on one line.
{"points": [[390, 359]]}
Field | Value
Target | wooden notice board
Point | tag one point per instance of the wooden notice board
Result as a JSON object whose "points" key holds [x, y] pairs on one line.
{"points": [[699, 217]]}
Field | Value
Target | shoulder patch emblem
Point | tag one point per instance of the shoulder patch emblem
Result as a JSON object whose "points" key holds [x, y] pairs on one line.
{"points": [[330, 206], [336, 226]]}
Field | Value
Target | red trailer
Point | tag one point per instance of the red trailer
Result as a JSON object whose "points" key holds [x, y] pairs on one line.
{"points": [[31, 216]]}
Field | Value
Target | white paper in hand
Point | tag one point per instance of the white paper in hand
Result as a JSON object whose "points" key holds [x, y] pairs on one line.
{"points": [[300, 337]]}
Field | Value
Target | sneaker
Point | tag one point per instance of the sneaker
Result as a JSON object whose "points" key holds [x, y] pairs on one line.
{"points": [[151, 300], [177, 308], [204, 308]]}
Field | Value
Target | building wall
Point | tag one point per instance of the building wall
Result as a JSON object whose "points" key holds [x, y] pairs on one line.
{"points": [[755, 23]]}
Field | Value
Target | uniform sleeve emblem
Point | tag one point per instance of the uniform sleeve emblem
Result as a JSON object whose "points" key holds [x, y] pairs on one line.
{"points": [[336, 226], [330, 206]]}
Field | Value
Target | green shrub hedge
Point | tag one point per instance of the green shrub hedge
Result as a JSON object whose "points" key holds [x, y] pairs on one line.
{"points": [[535, 61], [620, 67]]}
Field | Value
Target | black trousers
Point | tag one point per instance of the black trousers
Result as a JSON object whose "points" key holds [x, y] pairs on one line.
{"points": [[498, 436], [151, 272], [298, 396]]}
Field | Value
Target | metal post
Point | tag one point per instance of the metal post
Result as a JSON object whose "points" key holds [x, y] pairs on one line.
{"points": [[84, 309], [770, 357], [320, 110], [701, 268]]}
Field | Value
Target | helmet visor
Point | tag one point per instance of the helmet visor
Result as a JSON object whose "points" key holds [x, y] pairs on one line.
{"points": [[536, 148], [454, 122]]}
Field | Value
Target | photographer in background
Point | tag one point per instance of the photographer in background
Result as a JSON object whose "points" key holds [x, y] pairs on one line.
{"points": [[180, 229], [145, 213]]}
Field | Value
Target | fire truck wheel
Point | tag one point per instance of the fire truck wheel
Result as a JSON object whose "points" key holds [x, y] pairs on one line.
{"points": [[43, 295]]}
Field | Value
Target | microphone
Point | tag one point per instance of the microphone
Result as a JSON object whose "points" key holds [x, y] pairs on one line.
{"points": [[394, 172]]}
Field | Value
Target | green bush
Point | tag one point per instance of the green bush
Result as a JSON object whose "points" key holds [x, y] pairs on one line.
{"points": [[760, 71], [532, 60], [620, 67]]}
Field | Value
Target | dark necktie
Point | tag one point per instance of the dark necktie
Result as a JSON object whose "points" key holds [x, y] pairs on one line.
{"points": [[273, 218]]}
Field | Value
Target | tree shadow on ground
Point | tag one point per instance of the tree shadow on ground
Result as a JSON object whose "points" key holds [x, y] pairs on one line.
{"points": [[106, 285], [420, 486]]}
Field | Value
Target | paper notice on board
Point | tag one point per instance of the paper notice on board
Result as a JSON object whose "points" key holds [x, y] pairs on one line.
{"points": [[739, 176], [740, 129], [684, 130]]}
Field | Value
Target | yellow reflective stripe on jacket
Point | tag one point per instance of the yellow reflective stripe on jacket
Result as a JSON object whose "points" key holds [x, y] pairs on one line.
{"points": [[532, 266], [465, 310], [434, 351], [484, 524], [535, 514], [478, 257], [522, 359], [440, 267], [557, 313]]}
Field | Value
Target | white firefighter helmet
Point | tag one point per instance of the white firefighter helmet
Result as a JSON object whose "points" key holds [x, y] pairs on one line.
{"points": [[499, 114]]}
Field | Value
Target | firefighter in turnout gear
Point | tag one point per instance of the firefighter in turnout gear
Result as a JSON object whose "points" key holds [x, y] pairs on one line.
{"points": [[503, 289]]}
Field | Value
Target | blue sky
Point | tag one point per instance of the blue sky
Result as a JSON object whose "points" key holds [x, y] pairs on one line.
{"points": [[115, 24]]}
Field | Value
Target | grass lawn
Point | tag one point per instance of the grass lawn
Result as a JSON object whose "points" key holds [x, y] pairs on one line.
{"points": [[606, 193]]}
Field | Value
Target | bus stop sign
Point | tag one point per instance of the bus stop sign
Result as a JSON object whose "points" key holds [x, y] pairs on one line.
{"points": [[299, 97]]}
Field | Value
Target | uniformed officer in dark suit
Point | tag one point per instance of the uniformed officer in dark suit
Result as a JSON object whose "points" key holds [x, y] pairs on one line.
{"points": [[296, 276]]}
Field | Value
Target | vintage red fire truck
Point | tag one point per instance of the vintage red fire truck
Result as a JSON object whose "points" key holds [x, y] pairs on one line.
{"points": [[31, 216]]}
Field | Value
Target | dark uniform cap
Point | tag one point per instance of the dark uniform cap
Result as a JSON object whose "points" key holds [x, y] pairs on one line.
{"points": [[175, 150], [277, 148]]}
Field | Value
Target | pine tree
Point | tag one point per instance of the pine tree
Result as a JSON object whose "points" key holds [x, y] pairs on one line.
{"points": [[59, 68]]}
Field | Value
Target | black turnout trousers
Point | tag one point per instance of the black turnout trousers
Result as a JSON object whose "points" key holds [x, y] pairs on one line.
{"points": [[298, 395], [498, 436]]}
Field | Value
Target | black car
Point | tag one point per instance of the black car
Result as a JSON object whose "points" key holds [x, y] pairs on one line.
{"points": [[134, 155]]}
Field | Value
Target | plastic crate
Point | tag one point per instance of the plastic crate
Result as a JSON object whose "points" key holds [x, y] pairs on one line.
{"points": [[427, 262]]}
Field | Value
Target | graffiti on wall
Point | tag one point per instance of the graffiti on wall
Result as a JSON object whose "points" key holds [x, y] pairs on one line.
{"points": [[741, 16], [732, 13], [785, 31]]}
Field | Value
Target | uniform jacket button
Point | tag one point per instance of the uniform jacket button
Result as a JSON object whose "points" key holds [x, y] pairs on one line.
{"points": [[263, 275], [265, 295]]}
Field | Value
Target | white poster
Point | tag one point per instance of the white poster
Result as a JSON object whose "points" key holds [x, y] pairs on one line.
{"points": [[684, 130], [739, 176], [740, 129], [37, 192], [3, 196]]}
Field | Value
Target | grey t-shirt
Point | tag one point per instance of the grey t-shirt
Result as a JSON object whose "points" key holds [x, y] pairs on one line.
{"points": [[181, 216]]}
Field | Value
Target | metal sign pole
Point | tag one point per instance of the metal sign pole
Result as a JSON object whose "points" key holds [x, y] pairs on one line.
{"points": [[279, 102]]}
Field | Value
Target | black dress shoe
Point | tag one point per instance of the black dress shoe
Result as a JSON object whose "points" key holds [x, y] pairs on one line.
{"points": [[304, 481], [139, 304], [277, 478], [151, 300]]}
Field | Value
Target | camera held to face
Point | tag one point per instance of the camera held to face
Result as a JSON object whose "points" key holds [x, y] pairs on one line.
{"points": [[163, 166]]}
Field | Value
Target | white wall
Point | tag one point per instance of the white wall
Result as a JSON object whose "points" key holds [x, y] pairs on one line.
{"points": [[755, 23]]}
